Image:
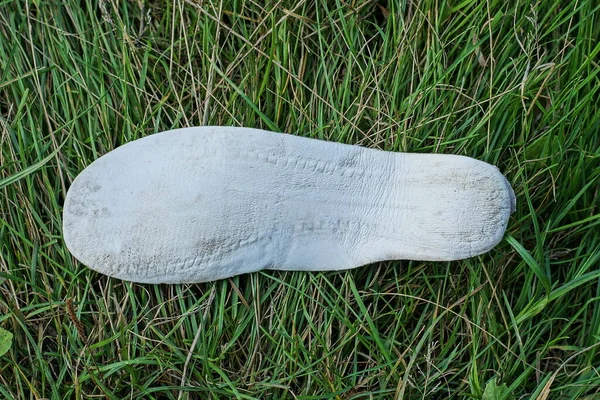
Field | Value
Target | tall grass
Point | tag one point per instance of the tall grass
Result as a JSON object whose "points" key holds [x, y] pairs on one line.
{"points": [[515, 84]]}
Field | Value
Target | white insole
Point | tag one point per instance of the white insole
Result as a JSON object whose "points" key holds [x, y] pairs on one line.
{"points": [[206, 203]]}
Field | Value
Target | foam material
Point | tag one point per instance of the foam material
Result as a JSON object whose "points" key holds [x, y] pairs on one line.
{"points": [[207, 203]]}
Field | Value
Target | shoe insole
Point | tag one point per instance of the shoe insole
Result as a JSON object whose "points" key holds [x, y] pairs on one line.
{"points": [[207, 203]]}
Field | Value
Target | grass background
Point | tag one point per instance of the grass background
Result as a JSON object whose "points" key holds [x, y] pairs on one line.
{"points": [[513, 83]]}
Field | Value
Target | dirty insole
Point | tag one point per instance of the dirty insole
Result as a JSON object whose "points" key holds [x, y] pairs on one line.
{"points": [[206, 203]]}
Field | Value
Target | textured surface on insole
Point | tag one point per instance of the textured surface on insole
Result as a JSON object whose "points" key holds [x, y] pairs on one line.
{"points": [[206, 203]]}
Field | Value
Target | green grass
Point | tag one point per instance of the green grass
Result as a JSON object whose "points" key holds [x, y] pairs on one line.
{"points": [[515, 84]]}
